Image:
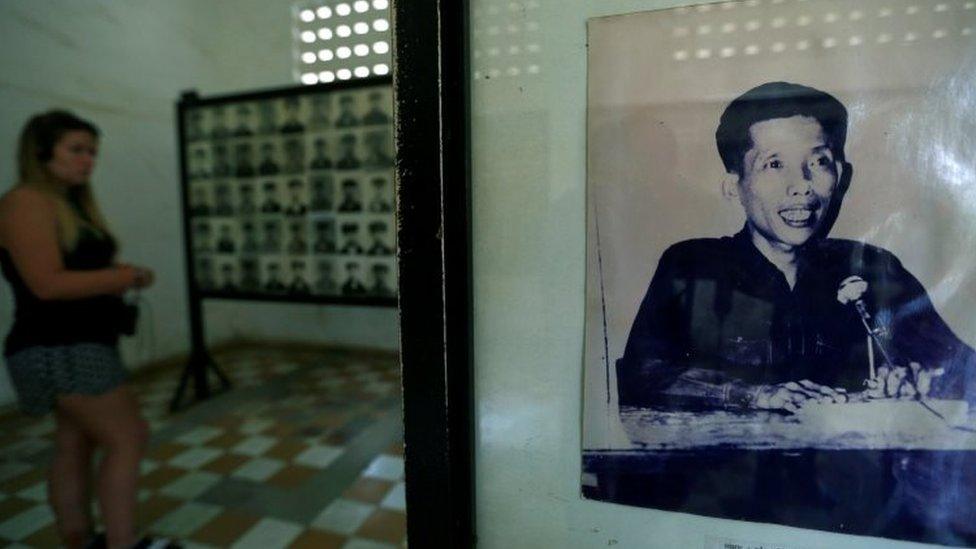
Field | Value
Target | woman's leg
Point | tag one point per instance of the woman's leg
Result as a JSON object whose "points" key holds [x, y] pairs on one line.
{"points": [[69, 482], [112, 420]]}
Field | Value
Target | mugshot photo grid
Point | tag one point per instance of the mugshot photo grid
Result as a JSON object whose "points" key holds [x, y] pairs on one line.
{"points": [[293, 195]]}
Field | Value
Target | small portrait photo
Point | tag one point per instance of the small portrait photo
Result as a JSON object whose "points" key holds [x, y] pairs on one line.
{"points": [[347, 116], [298, 278], [294, 149], [221, 161], [376, 149], [246, 204], [194, 129], [250, 275], [379, 236], [270, 200], [218, 122], [223, 204], [292, 113], [379, 104], [273, 279], [228, 277], [267, 118], [779, 283], [271, 236], [244, 123], [204, 273], [325, 281], [268, 159], [380, 201], [347, 159], [351, 244], [297, 241], [244, 159], [321, 115], [250, 243], [352, 200], [202, 237], [226, 238], [381, 284], [297, 203], [200, 205], [323, 192], [352, 282], [320, 154], [325, 236], [198, 162]]}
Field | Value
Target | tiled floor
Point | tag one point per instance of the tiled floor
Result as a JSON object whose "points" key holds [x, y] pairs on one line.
{"points": [[305, 451]]}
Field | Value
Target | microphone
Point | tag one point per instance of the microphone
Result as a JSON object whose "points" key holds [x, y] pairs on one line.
{"points": [[851, 290]]}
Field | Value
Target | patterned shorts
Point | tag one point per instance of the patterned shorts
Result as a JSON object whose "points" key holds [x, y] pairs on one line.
{"points": [[39, 374]]}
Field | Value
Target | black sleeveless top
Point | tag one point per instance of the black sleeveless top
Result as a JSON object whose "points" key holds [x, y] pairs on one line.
{"points": [[66, 321]]}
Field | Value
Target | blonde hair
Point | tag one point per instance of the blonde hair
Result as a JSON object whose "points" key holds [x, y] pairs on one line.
{"points": [[75, 206]]}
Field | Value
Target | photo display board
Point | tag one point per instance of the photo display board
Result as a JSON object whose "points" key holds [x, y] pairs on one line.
{"points": [[289, 194]]}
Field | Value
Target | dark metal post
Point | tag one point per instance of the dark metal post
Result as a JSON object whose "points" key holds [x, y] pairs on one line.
{"points": [[431, 97]]}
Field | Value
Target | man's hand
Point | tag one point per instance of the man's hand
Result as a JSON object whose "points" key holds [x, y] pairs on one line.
{"points": [[901, 382], [792, 395]]}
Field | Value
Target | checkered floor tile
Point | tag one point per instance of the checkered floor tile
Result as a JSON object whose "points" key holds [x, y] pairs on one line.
{"points": [[305, 451]]}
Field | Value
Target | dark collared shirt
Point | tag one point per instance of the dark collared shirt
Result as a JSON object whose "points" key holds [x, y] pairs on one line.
{"points": [[719, 320]]}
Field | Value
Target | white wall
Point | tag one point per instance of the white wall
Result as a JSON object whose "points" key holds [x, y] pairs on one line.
{"points": [[123, 65]]}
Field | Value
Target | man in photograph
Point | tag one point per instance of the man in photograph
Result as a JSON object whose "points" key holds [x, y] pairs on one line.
{"points": [[292, 123], [243, 128], [347, 153], [376, 114], [379, 203], [298, 284], [353, 286], [351, 201], [325, 283], [324, 237], [270, 204], [779, 315], [268, 165], [322, 191], [242, 160], [347, 117]]}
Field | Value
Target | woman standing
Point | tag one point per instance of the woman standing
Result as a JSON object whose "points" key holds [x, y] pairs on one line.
{"points": [[59, 257]]}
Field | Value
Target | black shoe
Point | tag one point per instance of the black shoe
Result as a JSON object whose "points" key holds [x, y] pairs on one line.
{"points": [[98, 541]]}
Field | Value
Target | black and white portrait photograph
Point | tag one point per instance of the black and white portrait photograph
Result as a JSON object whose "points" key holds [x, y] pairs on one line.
{"points": [[194, 125], [351, 197], [267, 118], [218, 123], [352, 284], [205, 274], [380, 201], [320, 155], [380, 286], [321, 115], [228, 277], [351, 244], [323, 190], [221, 161], [199, 163], [250, 275], [378, 106], [348, 159], [199, 200], [273, 282], [268, 164], [246, 204], [296, 205], [223, 199], [243, 160], [779, 284], [271, 241], [202, 237], [325, 237], [347, 112], [377, 149], [270, 202], [244, 126], [249, 238], [226, 243], [292, 115], [298, 282], [297, 243], [325, 283], [294, 156], [378, 235]]}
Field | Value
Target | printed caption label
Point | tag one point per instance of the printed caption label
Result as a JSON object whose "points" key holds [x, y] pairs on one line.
{"points": [[712, 542]]}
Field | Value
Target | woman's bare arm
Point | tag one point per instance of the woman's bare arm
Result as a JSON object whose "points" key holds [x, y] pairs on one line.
{"points": [[28, 231]]}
